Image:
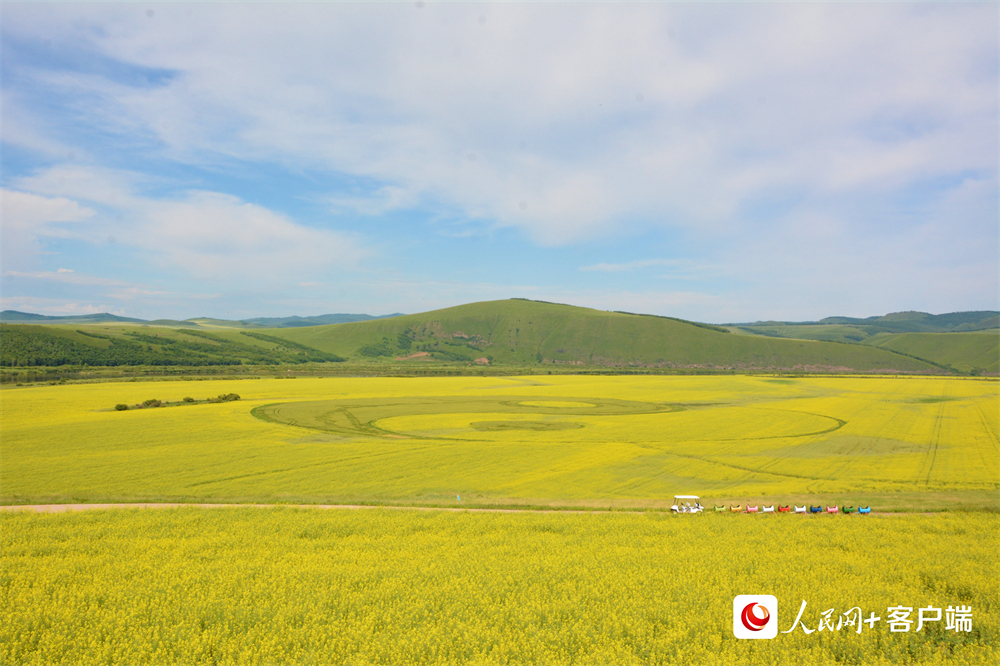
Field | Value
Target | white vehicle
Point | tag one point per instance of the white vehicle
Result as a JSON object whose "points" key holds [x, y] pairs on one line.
{"points": [[682, 504]]}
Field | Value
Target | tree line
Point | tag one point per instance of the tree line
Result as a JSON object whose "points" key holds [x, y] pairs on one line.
{"points": [[27, 346]]}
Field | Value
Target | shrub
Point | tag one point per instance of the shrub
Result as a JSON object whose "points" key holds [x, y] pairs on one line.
{"points": [[151, 403], [121, 406], [189, 399]]}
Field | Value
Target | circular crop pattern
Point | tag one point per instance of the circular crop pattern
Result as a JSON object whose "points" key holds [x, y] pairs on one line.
{"points": [[540, 426], [363, 416], [560, 404], [476, 417]]}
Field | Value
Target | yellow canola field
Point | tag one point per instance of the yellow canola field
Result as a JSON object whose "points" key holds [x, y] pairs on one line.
{"points": [[380, 586], [603, 441]]}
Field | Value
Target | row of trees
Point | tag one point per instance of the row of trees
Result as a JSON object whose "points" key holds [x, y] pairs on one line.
{"points": [[153, 402]]}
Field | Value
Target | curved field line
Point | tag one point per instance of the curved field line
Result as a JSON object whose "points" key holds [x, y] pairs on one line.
{"points": [[995, 440], [840, 424], [748, 469], [372, 429], [366, 456], [935, 441]]}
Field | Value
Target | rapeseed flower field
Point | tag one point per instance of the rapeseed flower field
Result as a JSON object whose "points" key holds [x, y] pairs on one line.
{"points": [[383, 586], [378, 585], [897, 443]]}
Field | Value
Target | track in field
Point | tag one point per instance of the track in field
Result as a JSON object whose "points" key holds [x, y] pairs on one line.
{"points": [[366, 417]]}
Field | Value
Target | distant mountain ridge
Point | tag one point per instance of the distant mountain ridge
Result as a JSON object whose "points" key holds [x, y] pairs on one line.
{"points": [[514, 332], [964, 341], [922, 322], [15, 317], [319, 320], [904, 322], [897, 322]]}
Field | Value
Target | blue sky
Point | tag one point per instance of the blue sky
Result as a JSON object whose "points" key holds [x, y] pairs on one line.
{"points": [[716, 162]]}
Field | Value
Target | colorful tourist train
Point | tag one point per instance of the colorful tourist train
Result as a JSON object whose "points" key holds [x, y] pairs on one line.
{"points": [[788, 508]]}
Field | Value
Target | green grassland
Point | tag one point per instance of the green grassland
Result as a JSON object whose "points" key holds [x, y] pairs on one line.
{"points": [[899, 444], [972, 352], [131, 345], [853, 329], [966, 352], [511, 333], [966, 342], [522, 332], [15, 317], [284, 586], [824, 332]]}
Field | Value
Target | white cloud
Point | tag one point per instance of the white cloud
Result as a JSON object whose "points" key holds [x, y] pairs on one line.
{"points": [[24, 129], [62, 275], [736, 101], [818, 151], [28, 218], [637, 264], [384, 199], [56, 307], [200, 234], [39, 214], [218, 236]]}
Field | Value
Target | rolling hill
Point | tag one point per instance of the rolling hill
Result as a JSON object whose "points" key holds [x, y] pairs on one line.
{"points": [[975, 352], [966, 341], [33, 345], [522, 332], [15, 317], [513, 333], [852, 329]]}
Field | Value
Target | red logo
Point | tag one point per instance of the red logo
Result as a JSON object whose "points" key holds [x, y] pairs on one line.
{"points": [[753, 619], [755, 616]]}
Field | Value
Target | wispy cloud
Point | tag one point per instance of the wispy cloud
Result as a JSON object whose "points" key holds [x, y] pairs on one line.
{"points": [[64, 276], [484, 118], [58, 307], [638, 264], [199, 233], [780, 141]]}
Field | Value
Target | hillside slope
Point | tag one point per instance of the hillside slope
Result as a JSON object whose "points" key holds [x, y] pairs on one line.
{"points": [[852, 329], [15, 317], [922, 322], [529, 332], [33, 345], [977, 352]]}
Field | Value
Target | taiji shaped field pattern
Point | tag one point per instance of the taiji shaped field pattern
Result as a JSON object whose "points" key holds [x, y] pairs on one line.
{"points": [[489, 417]]}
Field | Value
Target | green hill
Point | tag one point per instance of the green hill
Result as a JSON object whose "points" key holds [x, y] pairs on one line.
{"points": [[852, 329], [922, 322], [15, 317], [525, 332], [319, 320], [514, 333], [977, 352], [31, 345]]}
